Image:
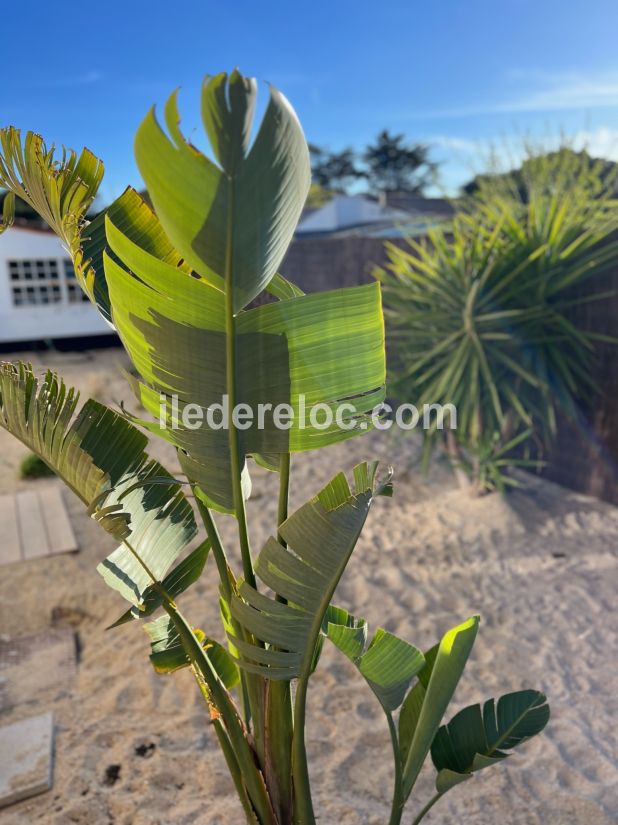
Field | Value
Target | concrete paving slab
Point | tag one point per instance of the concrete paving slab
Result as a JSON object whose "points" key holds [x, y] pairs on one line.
{"points": [[26, 758]]}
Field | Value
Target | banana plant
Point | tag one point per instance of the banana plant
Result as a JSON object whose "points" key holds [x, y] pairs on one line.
{"points": [[178, 282]]}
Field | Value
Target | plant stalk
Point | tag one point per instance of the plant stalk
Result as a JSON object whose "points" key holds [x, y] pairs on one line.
{"points": [[227, 578], [237, 778], [284, 490], [245, 755], [233, 433], [255, 686], [303, 807], [222, 700], [279, 721], [217, 548], [398, 798], [427, 808], [229, 755]]}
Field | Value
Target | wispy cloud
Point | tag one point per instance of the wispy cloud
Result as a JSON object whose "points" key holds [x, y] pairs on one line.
{"points": [[86, 79], [545, 92], [601, 142]]}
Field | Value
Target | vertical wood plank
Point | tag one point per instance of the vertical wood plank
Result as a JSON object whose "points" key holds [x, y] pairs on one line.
{"points": [[32, 530], [10, 546], [60, 536]]}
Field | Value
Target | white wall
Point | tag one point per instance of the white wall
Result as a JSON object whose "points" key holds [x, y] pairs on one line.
{"points": [[345, 211], [60, 320]]}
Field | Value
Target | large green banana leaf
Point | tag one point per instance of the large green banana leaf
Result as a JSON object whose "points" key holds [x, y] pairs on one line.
{"points": [[426, 703], [233, 222], [476, 739], [101, 457], [320, 538], [325, 348]]}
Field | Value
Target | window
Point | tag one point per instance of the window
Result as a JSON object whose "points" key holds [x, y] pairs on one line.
{"points": [[75, 293], [35, 282], [44, 281]]}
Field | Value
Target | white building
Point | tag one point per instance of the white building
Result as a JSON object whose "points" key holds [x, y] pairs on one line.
{"points": [[39, 294], [347, 212]]}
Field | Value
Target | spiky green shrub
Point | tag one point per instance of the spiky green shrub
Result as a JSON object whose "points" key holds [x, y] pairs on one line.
{"points": [[177, 284], [480, 314]]}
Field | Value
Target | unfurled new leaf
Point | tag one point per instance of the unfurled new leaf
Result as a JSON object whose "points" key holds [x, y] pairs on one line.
{"points": [[388, 664]]}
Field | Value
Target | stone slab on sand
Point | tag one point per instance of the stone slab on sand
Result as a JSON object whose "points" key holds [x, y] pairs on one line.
{"points": [[26, 761], [36, 667]]}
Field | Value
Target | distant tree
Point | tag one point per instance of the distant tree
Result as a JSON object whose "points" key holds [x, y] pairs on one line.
{"points": [[394, 166], [334, 171], [318, 196], [555, 169]]}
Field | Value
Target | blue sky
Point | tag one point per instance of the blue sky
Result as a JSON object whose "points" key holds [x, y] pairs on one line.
{"points": [[461, 75]]}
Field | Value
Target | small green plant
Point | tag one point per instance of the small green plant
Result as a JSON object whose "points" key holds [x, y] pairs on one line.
{"points": [[480, 313], [32, 466], [177, 284]]}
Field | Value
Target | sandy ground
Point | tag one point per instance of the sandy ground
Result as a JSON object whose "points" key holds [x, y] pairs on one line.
{"points": [[540, 568]]}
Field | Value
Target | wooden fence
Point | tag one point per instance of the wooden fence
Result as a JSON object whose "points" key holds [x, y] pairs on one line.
{"points": [[584, 456]]}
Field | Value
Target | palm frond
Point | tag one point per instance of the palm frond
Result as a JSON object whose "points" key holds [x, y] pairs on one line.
{"points": [[102, 458]]}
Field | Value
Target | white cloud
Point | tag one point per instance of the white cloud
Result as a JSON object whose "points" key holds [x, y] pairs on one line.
{"points": [[601, 142], [455, 144], [558, 91]]}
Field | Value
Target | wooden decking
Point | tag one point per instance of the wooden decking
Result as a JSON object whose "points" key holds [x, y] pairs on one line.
{"points": [[35, 523]]}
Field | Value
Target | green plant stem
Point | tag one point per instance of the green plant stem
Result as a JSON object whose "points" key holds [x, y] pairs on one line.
{"points": [[284, 490], [217, 548], [232, 763], [398, 799], [229, 755], [255, 688], [221, 699], [279, 727], [303, 807], [427, 808], [233, 433], [227, 578], [236, 732], [279, 731]]}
